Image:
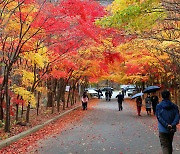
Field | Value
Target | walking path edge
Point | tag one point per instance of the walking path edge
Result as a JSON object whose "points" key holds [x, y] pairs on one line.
{"points": [[23, 134]]}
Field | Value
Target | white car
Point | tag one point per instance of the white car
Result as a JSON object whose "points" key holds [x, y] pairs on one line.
{"points": [[92, 92], [131, 92]]}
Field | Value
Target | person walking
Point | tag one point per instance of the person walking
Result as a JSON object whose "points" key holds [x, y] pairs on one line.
{"points": [[123, 93], [167, 114], [110, 94], [120, 99], [139, 105], [107, 95], [148, 104], [99, 93], [155, 101], [84, 100]]}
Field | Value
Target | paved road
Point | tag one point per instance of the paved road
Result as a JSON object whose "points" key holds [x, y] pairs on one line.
{"points": [[105, 130]]}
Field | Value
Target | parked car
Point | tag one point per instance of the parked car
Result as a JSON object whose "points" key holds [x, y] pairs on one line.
{"points": [[92, 92], [131, 92]]}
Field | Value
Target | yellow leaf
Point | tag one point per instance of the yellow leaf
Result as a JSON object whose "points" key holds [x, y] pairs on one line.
{"points": [[27, 95]]}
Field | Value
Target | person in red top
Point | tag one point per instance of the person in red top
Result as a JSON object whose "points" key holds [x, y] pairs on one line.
{"points": [[139, 105], [84, 100]]}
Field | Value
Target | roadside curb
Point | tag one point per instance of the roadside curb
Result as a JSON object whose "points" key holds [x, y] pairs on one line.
{"points": [[23, 134]]}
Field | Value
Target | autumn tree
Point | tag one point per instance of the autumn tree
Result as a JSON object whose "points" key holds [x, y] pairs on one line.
{"points": [[155, 21], [81, 16], [20, 33]]}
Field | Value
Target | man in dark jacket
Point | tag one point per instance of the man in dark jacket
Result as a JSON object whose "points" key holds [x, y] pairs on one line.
{"points": [[99, 93], [155, 101], [120, 98], [168, 117], [107, 95]]}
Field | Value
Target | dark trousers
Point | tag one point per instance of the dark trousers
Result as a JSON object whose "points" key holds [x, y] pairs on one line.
{"points": [[166, 140], [84, 105], [120, 106], [139, 110], [99, 96], [108, 98], [148, 110], [154, 109]]}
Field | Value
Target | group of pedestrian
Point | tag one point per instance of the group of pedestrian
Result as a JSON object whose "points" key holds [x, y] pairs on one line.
{"points": [[108, 95], [85, 97], [167, 114], [150, 103]]}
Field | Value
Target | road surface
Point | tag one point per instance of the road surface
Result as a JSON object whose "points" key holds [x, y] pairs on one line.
{"points": [[105, 130]]}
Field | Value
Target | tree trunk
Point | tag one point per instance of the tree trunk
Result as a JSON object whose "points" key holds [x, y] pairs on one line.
{"points": [[38, 102], [17, 112], [7, 122], [58, 94], [58, 106], [73, 94], [1, 109], [50, 99], [27, 113], [63, 91], [52, 111], [69, 94], [75, 100], [50, 93], [1, 97], [64, 105], [54, 85], [22, 110]]}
